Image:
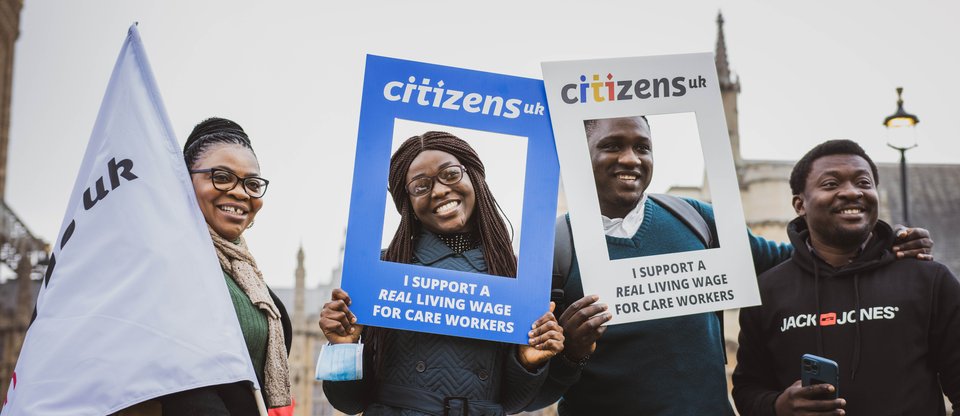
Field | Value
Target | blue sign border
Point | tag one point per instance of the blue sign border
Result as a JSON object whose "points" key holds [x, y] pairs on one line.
{"points": [[365, 276]]}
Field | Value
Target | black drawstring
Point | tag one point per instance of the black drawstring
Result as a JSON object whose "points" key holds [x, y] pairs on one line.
{"points": [[816, 291], [856, 345], [856, 313]]}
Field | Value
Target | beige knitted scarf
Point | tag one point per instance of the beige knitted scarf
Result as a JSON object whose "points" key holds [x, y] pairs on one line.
{"points": [[236, 259]]}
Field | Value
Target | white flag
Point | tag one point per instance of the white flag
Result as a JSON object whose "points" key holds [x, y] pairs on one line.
{"points": [[134, 304]]}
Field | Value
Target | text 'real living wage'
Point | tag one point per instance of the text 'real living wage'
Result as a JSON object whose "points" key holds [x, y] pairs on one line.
{"points": [[421, 293]]}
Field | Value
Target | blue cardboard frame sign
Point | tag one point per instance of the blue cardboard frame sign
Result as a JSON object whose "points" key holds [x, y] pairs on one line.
{"points": [[430, 299]]}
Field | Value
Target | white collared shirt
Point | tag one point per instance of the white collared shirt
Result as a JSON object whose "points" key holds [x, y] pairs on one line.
{"points": [[627, 226]]}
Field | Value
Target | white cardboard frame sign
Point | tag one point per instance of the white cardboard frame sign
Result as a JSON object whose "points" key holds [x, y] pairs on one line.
{"points": [[666, 285]]}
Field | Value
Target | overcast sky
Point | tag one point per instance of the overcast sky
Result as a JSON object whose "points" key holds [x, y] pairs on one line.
{"points": [[291, 72]]}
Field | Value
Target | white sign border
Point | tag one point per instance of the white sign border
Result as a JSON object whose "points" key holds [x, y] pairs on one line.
{"points": [[599, 274]]}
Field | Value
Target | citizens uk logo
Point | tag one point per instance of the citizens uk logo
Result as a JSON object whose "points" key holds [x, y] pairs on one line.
{"points": [[608, 89], [424, 92]]}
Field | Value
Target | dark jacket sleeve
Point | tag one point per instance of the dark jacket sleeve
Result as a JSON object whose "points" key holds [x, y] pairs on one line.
{"points": [[754, 382], [200, 401], [945, 334], [519, 386], [234, 399], [353, 397], [766, 254], [349, 397], [560, 376]]}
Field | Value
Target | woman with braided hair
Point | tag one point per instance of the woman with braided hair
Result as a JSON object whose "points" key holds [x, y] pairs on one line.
{"points": [[226, 178], [448, 219], [457, 163]]}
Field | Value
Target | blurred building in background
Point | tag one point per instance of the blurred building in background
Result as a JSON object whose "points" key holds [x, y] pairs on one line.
{"points": [[764, 189], [23, 256], [304, 305], [766, 196]]}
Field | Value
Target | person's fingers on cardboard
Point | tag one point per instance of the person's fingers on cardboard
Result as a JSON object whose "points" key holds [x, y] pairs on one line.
{"points": [[585, 314], [340, 294], [576, 306], [547, 317], [334, 322], [596, 322], [545, 327]]}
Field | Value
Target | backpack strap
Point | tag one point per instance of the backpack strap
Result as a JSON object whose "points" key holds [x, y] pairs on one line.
{"points": [[562, 262], [687, 214]]}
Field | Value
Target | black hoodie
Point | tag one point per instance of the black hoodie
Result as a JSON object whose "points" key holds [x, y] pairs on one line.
{"points": [[890, 353]]}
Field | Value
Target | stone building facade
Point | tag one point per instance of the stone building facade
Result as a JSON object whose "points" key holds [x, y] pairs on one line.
{"points": [[765, 184], [304, 305], [23, 257], [9, 31]]}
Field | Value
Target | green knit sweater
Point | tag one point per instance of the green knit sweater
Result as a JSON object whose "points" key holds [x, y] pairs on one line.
{"points": [[253, 324]]}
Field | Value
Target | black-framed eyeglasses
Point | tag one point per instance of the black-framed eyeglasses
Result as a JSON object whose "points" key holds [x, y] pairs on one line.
{"points": [[225, 180], [448, 176]]}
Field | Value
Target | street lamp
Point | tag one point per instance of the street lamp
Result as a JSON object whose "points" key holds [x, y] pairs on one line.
{"points": [[902, 136]]}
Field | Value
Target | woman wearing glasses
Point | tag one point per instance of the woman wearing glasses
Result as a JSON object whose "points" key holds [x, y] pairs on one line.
{"points": [[229, 189], [448, 220]]}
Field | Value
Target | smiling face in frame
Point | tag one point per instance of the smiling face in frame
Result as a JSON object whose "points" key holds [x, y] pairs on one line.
{"points": [[444, 209]]}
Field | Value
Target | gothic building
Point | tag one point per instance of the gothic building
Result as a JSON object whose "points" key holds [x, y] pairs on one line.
{"points": [[765, 188], [23, 257], [9, 31], [307, 339]]}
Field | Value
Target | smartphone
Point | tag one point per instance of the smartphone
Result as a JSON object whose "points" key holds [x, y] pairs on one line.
{"points": [[819, 370]]}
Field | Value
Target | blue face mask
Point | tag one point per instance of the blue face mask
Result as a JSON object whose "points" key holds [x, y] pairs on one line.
{"points": [[340, 362]]}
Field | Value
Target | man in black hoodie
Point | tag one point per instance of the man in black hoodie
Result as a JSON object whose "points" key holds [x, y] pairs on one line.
{"points": [[892, 326]]}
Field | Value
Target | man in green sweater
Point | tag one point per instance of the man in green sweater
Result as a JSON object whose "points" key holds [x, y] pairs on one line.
{"points": [[671, 366]]}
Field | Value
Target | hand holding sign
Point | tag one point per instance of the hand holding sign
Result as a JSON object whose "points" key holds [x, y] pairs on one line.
{"points": [[337, 322], [546, 341], [582, 322]]}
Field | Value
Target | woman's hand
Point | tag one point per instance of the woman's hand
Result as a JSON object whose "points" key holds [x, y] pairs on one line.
{"points": [[339, 325], [546, 341]]}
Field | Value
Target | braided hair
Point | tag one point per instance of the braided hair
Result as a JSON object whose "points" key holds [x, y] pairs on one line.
{"points": [[210, 132], [497, 250]]}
